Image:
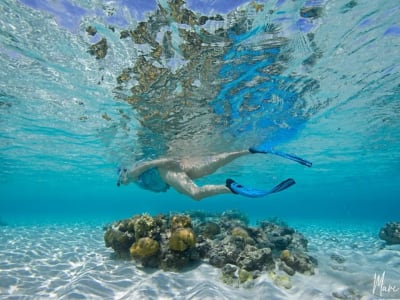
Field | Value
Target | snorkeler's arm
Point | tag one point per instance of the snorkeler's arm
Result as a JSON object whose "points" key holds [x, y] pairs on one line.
{"points": [[134, 173]]}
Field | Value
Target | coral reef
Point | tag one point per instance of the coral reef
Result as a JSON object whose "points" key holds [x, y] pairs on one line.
{"points": [[297, 261], [142, 226], [181, 222], [144, 247], [233, 275], [280, 280], [182, 239], [390, 233], [119, 239], [209, 229], [226, 241]]}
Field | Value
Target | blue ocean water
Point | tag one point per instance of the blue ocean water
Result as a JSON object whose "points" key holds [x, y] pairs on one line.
{"points": [[319, 79], [331, 95]]}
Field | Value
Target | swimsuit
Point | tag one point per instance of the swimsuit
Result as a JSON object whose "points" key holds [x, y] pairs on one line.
{"points": [[151, 180]]}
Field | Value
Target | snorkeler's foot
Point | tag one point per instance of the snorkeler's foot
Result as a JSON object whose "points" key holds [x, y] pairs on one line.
{"points": [[281, 154], [254, 193], [232, 185]]}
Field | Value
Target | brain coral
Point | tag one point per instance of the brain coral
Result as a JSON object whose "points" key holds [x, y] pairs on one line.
{"points": [[182, 239], [144, 247]]}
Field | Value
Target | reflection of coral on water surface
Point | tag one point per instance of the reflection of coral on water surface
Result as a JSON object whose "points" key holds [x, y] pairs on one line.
{"points": [[204, 79]]}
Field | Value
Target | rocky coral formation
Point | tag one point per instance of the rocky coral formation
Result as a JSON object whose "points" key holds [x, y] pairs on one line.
{"points": [[182, 239], [390, 233], [296, 261], [223, 240], [144, 247]]}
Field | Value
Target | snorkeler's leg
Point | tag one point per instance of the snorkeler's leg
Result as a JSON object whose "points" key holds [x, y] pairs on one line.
{"points": [[181, 182], [281, 154], [202, 166]]}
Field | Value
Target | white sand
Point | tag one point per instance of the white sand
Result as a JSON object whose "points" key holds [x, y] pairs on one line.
{"points": [[71, 261]]}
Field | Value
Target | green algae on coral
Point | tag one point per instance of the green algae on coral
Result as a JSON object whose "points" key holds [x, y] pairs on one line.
{"points": [[119, 241], [143, 226], [180, 221], [144, 247], [210, 230], [239, 231], [182, 239], [244, 276]]}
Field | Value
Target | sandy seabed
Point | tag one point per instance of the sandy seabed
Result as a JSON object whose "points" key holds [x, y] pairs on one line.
{"points": [[70, 261]]}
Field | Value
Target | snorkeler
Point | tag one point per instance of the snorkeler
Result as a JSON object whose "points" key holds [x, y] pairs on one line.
{"points": [[160, 174]]}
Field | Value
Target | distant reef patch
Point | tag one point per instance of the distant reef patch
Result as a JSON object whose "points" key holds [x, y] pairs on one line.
{"points": [[390, 233]]}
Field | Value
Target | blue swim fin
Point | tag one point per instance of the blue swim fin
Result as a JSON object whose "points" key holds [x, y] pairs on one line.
{"points": [[254, 193], [282, 154]]}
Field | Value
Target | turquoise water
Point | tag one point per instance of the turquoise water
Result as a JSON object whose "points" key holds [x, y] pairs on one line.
{"points": [[319, 79], [324, 86]]}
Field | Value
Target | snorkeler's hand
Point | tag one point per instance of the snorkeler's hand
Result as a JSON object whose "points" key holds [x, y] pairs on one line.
{"points": [[122, 177]]}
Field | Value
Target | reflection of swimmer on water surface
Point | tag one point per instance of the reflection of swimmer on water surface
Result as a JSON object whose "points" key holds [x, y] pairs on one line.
{"points": [[159, 174]]}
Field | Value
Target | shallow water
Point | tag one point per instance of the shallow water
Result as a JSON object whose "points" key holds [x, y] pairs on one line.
{"points": [[70, 262], [319, 79]]}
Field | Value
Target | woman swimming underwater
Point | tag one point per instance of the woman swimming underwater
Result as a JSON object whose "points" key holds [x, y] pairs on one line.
{"points": [[160, 174]]}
